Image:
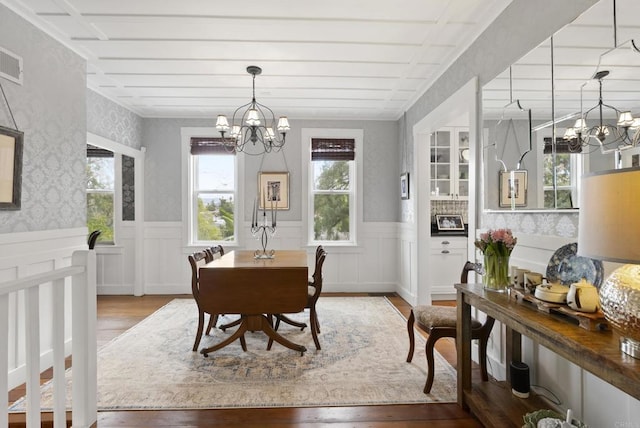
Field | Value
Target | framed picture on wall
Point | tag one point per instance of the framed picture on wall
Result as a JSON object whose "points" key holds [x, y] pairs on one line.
{"points": [[404, 186], [273, 190], [11, 142], [513, 188]]}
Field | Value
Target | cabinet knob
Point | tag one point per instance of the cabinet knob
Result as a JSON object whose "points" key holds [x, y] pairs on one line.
{"points": [[445, 251], [445, 242]]}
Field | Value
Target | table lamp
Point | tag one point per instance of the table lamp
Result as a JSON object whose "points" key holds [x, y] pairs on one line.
{"points": [[609, 230]]}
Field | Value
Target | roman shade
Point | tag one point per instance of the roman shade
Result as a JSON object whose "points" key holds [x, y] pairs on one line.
{"points": [[333, 149], [210, 146]]}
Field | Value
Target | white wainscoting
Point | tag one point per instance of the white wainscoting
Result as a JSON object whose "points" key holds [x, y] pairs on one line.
{"points": [[27, 253], [371, 266], [407, 263]]}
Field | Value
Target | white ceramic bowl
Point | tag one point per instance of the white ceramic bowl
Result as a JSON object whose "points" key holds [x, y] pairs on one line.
{"points": [[553, 293]]}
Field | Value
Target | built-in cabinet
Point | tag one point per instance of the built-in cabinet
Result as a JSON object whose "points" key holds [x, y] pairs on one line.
{"points": [[447, 256], [449, 164]]}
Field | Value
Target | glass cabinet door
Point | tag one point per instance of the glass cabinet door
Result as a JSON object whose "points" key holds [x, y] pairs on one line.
{"points": [[441, 171], [463, 163]]}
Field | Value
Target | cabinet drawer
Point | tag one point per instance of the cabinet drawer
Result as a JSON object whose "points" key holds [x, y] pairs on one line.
{"points": [[448, 243]]}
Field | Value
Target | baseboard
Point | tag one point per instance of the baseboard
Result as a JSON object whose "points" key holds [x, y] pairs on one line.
{"points": [[115, 290]]}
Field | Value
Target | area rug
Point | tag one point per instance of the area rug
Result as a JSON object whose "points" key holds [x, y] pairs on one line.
{"points": [[362, 362]]}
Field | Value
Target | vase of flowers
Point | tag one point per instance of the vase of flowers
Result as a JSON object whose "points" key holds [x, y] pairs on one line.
{"points": [[496, 245]]}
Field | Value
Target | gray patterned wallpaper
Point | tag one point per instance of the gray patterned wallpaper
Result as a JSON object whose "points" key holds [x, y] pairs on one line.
{"points": [[560, 223], [53, 119], [163, 197], [110, 120]]}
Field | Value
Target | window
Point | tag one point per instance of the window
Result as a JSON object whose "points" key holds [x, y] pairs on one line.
{"points": [[213, 190], [567, 173], [333, 178], [100, 192]]}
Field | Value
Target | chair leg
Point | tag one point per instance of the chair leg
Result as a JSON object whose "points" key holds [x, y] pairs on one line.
{"points": [[431, 341], [412, 341], [313, 317], [213, 320], [317, 323], [199, 332], [223, 327]]}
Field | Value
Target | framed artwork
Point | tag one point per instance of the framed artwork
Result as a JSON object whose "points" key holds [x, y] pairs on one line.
{"points": [[11, 142], [273, 190], [449, 222], [513, 188], [404, 186]]}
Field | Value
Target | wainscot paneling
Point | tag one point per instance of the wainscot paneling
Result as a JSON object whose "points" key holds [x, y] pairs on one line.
{"points": [[407, 263], [27, 253], [116, 263], [371, 266]]}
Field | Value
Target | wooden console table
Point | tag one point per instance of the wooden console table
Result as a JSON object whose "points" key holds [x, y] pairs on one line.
{"points": [[492, 402]]}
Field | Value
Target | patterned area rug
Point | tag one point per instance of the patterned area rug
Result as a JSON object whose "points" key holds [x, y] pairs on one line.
{"points": [[362, 362]]}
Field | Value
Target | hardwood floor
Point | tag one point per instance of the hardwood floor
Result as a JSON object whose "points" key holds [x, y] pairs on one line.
{"points": [[116, 314]]}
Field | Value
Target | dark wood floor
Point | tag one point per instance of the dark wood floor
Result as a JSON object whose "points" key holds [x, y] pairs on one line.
{"points": [[118, 313]]}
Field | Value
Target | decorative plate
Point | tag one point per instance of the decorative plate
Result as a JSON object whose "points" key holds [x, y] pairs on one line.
{"points": [[566, 267]]}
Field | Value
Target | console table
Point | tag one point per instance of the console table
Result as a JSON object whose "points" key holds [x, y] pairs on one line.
{"points": [[492, 402]]}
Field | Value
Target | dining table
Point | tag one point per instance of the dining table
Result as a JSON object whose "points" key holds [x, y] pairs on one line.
{"points": [[255, 288]]}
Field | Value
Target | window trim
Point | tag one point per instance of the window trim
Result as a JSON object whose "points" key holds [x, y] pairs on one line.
{"points": [[356, 205], [188, 219]]}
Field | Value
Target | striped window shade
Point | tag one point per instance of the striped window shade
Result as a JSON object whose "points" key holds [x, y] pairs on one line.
{"points": [[209, 146], [333, 149]]}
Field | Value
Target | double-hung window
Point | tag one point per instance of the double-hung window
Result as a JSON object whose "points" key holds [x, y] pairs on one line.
{"points": [[100, 192], [561, 171], [333, 182], [213, 190]]}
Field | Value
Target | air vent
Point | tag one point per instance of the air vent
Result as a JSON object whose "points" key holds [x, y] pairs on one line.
{"points": [[10, 66]]}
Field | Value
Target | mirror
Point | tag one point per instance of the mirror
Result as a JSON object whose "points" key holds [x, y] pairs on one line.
{"points": [[555, 81]]}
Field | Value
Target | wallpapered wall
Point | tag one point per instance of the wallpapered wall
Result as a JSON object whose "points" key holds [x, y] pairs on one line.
{"points": [[110, 120], [163, 193], [53, 119]]}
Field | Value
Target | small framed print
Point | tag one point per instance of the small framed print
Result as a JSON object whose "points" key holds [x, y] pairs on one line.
{"points": [[513, 188], [449, 222], [404, 186], [11, 142], [273, 188]]}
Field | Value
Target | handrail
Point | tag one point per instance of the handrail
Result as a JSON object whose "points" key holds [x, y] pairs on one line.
{"points": [[82, 274], [38, 279]]}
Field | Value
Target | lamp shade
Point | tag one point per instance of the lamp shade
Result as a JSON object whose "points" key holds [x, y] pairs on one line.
{"points": [[609, 227]]}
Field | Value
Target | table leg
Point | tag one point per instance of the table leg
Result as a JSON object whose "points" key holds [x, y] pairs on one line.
{"points": [[463, 348], [239, 333], [274, 335]]}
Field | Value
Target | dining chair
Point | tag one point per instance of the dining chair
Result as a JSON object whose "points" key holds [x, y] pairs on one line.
{"points": [[314, 289], [196, 261], [93, 237], [441, 321]]}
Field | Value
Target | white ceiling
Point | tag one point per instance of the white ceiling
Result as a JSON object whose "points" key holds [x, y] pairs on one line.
{"points": [[577, 50], [347, 59]]}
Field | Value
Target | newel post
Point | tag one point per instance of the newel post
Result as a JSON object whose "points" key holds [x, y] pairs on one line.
{"points": [[84, 316]]}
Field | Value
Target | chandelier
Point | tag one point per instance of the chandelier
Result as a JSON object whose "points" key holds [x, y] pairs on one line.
{"points": [[624, 134], [254, 123]]}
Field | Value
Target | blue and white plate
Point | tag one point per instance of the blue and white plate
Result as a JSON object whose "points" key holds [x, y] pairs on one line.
{"points": [[566, 267]]}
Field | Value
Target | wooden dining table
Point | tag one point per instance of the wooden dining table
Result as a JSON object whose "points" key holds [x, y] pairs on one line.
{"points": [[238, 283]]}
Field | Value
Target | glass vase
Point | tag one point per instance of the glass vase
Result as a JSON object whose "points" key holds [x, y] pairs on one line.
{"points": [[496, 276]]}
